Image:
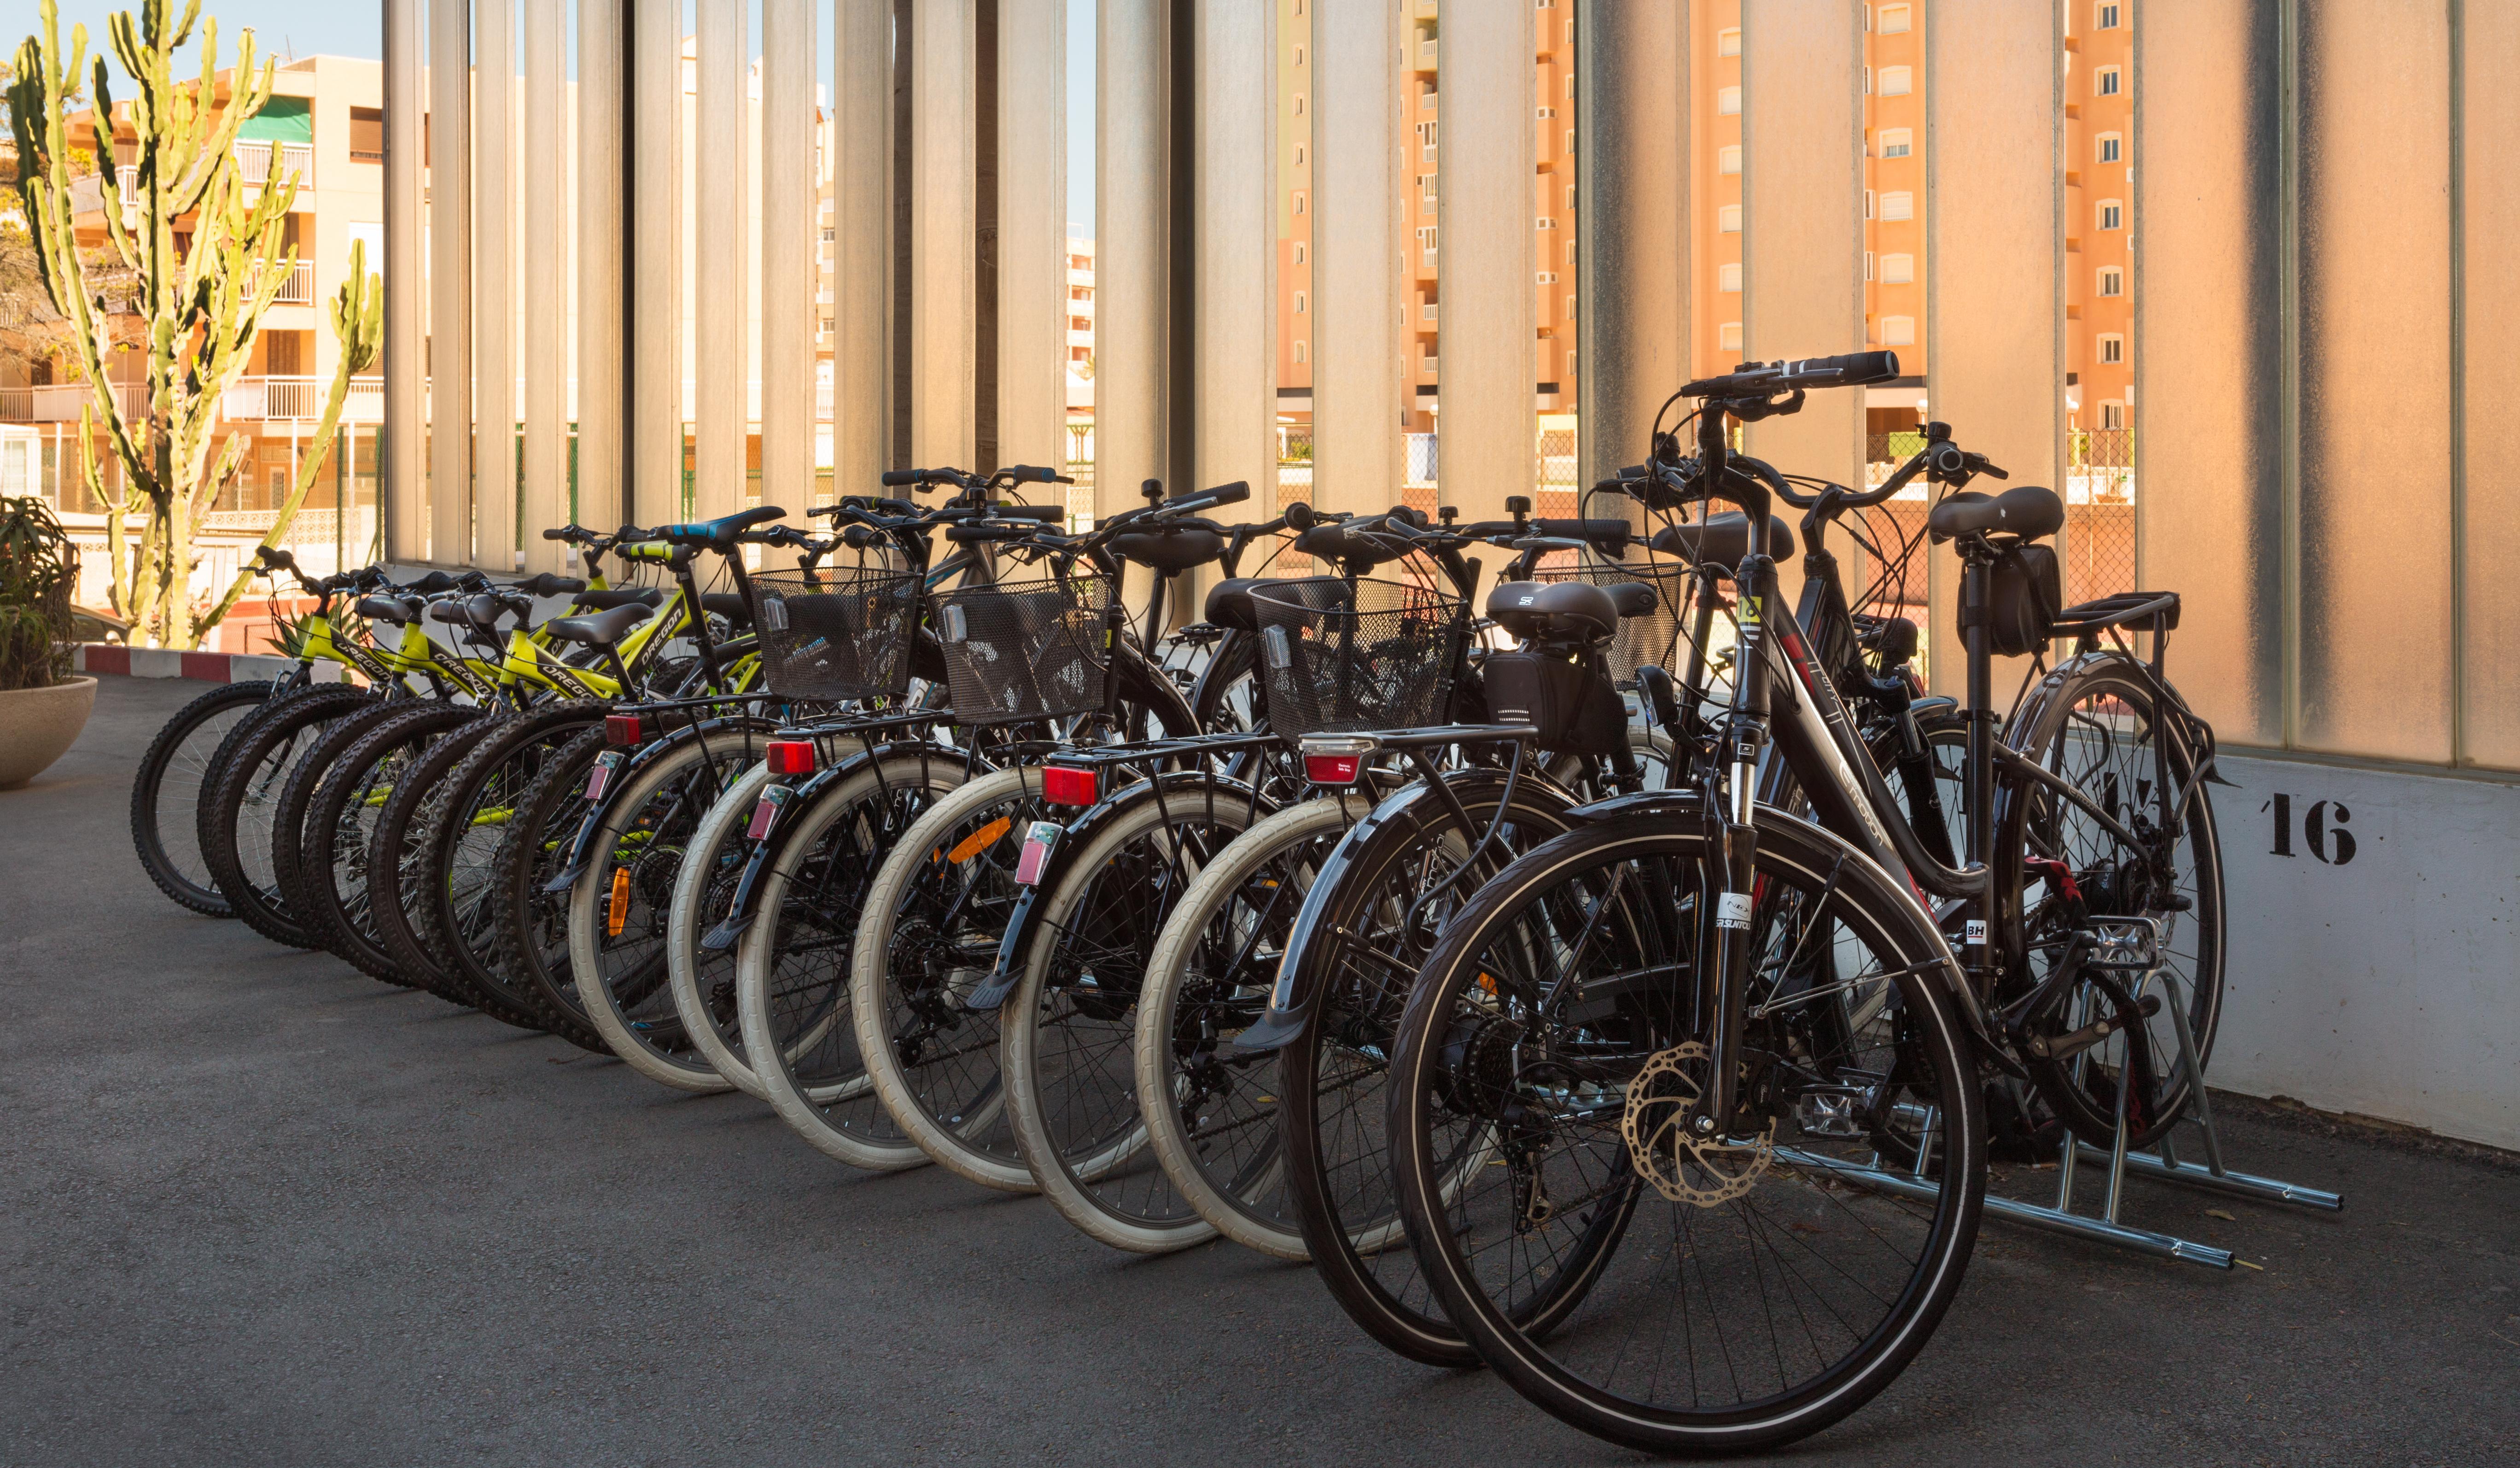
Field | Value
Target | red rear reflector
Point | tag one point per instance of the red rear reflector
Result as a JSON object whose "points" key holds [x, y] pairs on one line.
{"points": [[792, 756], [762, 815], [1062, 785], [1332, 770], [1039, 841], [622, 730], [600, 779]]}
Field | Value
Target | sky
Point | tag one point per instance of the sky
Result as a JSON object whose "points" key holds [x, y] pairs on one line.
{"points": [[354, 28]]}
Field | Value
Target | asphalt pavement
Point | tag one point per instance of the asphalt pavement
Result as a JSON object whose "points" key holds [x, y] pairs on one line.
{"points": [[256, 1208]]}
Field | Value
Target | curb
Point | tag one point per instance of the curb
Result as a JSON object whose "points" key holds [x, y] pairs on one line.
{"points": [[206, 667]]}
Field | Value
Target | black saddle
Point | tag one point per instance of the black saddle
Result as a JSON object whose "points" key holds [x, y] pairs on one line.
{"points": [[1722, 539], [718, 533], [480, 611], [1560, 610], [1172, 550], [1229, 602], [2028, 511], [1347, 547], [606, 599], [400, 609], [598, 629]]}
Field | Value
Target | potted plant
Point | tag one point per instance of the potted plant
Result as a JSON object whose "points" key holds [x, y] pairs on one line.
{"points": [[42, 708]]}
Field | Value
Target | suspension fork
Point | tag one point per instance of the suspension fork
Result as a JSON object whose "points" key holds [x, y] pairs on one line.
{"points": [[1745, 738]]}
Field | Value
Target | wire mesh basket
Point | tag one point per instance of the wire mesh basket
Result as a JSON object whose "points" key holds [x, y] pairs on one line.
{"points": [[1021, 651], [1659, 636], [838, 635], [1341, 656]]}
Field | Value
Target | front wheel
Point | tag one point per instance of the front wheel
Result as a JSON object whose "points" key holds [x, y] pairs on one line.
{"points": [[1665, 1287]]}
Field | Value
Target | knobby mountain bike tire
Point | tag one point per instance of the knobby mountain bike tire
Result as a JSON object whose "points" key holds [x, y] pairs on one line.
{"points": [[531, 925], [168, 789], [239, 832], [400, 869], [338, 837]]}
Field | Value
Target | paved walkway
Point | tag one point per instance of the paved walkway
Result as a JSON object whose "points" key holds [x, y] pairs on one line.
{"points": [[256, 1208]]}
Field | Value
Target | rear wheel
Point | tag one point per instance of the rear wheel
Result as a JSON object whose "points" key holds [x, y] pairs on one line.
{"points": [[338, 837], [239, 830], [400, 871], [703, 979], [166, 793], [530, 921], [1666, 1287]]}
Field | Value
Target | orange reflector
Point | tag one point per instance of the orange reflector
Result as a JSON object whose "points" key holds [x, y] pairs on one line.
{"points": [[791, 756], [617, 912], [1332, 770], [1064, 786], [980, 841]]}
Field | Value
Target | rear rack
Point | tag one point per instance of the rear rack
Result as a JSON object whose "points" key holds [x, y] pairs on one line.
{"points": [[2136, 608]]}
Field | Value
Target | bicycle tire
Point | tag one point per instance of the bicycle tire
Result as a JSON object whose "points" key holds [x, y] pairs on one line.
{"points": [[531, 923], [297, 796], [166, 791], [241, 831], [338, 831], [400, 868], [704, 980]]}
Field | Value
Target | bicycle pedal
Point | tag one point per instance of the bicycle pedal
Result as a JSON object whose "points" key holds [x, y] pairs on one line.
{"points": [[2128, 945], [1829, 1114]]}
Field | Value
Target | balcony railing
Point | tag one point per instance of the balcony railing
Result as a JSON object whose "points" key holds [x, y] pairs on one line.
{"points": [[301, 399], [299, 287], [60, 402], [257, 161]]}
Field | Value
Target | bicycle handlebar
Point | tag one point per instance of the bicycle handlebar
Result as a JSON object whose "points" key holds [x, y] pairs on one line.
{"points": [[1762, 380]]}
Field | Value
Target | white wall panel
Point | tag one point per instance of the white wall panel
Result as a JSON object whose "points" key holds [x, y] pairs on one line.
{"points": [[450, 283], [1131, 264], [496, 140], [721, 260], [788, 199], [655, 218], [1238, 248], [402, 489], [1490, 419], [546, 295], [1357, 360], [1032, 232]]}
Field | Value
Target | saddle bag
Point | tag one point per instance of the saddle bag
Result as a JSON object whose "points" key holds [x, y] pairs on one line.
{"points": [[1576, 711], [2024, 594]]}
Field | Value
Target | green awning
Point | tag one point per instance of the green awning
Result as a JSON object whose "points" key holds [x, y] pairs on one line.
{"points": [[282, 119]]}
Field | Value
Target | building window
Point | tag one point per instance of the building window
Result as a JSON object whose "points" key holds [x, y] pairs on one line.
{"points": [[2105, 18], [1426, 244], [2113, 281], [2112, 214], [1303, 350], [830, 234], [1899, 204], [366, 135], [1727, 277], [1868, 204], [1300, 155], [1868, 264], [1898, 142], [2112, 414], [1891, 20], [1299, 303], [1728, 42], [2112, 350], [1299, 104], [1544, 222], [1570, 315], [2104, 83], [1898, 270], [1299, 251], [1728, 219], [1544, 112], [2109, 147], [1727, 100], [1299, 56], [1898, 330], [1728, 337], [1427, 187], [1299, 200], [1426, 141], [1545, 278], [1898, 81], [1728, 158]]}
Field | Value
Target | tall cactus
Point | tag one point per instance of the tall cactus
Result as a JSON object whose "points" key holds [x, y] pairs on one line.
{"points": [[203, 304]]}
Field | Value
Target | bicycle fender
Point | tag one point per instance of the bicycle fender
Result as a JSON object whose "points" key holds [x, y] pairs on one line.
{"points": [[1310, 943], [1176, 787], [581, 851], [766, 851]]}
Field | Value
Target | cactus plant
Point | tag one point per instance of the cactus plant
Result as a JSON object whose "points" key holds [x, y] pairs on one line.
{"points": [[202, 301]]}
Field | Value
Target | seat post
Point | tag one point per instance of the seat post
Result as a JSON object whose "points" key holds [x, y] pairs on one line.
{"points": [[1977, 574]]}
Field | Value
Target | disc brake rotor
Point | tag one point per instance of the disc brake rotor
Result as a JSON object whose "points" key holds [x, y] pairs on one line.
{"points": [[1682, 1167]]}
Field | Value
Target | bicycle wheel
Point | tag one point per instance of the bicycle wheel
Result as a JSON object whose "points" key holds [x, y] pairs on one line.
{"points": [[2095, 724], [166, 793], [1665, 1290], [460, 838], [400, 871], [1358, 940], [298, 795], [238, 831], [1067, 1043], [1211, 1111], [529, 923], [337, 840], [619, 909], [793, 997], [933, 919]]}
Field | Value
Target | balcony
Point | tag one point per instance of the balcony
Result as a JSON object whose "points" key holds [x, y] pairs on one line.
{"points": [[299, 287], [257, 161], [60, 402], [1429, 52], [301, 399]]}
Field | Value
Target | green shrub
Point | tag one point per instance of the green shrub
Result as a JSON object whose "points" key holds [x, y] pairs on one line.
{"points": [[38, 566]]}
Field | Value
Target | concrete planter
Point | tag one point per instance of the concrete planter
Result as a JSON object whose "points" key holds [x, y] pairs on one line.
{"points": [[38, 725]]}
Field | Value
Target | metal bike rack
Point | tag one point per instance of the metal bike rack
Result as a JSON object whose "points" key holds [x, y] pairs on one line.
{"points": [[2162, 1163]]}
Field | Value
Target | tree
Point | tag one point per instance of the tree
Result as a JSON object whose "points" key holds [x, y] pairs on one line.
{"points": [[202, 300]]}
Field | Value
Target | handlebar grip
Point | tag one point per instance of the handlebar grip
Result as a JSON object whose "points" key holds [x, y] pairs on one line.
{"points": [[896, 477], [1031, 473], [555, 534], [1849, 370], [1299, 516], [1225, 494], [547, 584], [432, 583], [1045, 513], [1618, 530]]}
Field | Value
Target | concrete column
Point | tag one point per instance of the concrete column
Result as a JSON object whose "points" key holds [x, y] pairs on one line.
{"points": [[402, 498], [546, 292], [494, 293], [1802, 130], [655, 440], [1238, 248], [788, 202], [1634, 272], [861, 200], [1032, 233], [603, 144], [1489, 424], [942, 223], [721, 260], [2489, 519], [450, 282], [1995, 301], [1356, 356], [1132, 269]]}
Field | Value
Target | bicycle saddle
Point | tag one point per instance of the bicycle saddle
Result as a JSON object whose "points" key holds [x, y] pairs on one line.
{"points": [[1172, 550], [1554, 610], [2028, 511], [599, 629], [735, 609], [1337, 542], [1229, 602], [389, 608], [619, 596], [1722, 539], [718, 533]]}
